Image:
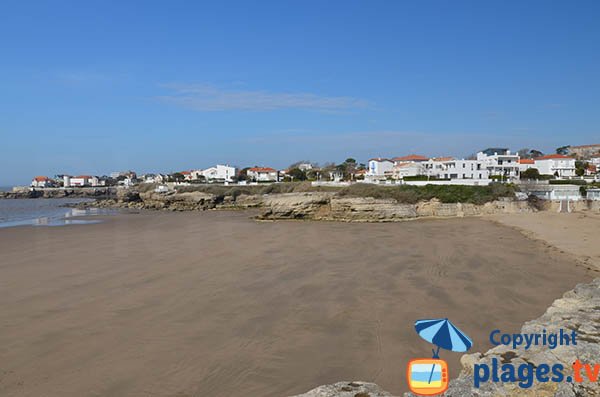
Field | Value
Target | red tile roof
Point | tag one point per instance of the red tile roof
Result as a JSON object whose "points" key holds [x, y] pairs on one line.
{"points": [[261, 169], [185, 172], [84, 176], [553, 156], [41, 178], [526, 161], [443, 158], [411, 157]]}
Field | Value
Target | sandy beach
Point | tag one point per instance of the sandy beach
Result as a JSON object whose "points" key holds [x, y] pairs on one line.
{"points": [[216, 304]]}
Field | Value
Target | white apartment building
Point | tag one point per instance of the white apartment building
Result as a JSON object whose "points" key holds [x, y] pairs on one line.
{"points": [[449, 168], [556, 164], [500, 161]]}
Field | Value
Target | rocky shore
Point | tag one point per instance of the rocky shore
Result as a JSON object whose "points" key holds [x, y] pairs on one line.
{"points": [[323, 206], [86, 192]]}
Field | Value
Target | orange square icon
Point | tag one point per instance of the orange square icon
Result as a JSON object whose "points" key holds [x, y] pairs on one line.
{"points": [[427, 376]]}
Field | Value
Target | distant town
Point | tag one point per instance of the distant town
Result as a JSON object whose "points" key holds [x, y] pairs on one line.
{"points": [[487, 166]]}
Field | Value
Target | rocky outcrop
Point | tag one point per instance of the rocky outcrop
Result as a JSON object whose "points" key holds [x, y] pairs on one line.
{"points": [[347, 389], [86, 192], [577, 310], [309, 205], [296, 206], [328, 206]]}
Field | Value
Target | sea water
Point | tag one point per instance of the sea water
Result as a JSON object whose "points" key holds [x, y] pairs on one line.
{"points": [[44, 212]]}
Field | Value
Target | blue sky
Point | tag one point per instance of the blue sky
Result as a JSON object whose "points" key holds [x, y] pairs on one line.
{"points": [[101, 86]]}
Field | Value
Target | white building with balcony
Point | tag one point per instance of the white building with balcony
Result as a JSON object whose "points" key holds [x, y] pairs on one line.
{"points": [[556, 164], [450, 168], [500, 162]]}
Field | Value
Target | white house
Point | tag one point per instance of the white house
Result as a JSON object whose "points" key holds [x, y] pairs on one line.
{"points": [[401, 170], [379, 166], [525, 164], [556, 164], [80, 181], [219, 173], [500, 162], [262, 174], [595, 160], [42, 181], [305, 166], [154, 178], [450, 168]]}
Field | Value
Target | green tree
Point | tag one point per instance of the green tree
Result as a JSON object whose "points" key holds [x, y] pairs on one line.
{"points": [[580, 167], [530, 173], [533, 153], [564, 150], [297, 174]]}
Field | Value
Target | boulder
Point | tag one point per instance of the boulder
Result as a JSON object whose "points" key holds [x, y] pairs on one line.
{"points": [[347, 389]]}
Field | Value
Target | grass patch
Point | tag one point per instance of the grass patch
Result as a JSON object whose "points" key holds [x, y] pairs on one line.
{"points": [[237, 190]]}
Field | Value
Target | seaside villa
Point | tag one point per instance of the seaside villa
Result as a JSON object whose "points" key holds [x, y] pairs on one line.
{"points": [[556, 164], [262, 174], [450, 168], [42, 181], [223, 173], [81, 181], [500, 162], [378, 167]]}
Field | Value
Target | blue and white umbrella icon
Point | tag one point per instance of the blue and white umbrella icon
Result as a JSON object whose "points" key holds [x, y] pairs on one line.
{"points": [[442, 333]]}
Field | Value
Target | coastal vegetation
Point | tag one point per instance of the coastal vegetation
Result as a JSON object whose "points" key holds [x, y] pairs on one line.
{"points": [[445, 193], [402, 194]]}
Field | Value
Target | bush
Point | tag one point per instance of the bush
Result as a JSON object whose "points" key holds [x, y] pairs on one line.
{"points": [[445, 193], [531, 173]]}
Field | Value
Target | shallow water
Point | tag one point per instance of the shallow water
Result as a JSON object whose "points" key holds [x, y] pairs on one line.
{"points": [[45, 212]]}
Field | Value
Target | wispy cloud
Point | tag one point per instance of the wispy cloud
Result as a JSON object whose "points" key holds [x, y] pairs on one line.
{"points": [[207, 98]]}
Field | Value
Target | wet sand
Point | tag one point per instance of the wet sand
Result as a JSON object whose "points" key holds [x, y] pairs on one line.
{"points": [[215, 304]]}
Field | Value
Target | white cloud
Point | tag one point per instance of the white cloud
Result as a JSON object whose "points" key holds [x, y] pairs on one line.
{"points": [[208, 98]]}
